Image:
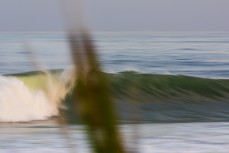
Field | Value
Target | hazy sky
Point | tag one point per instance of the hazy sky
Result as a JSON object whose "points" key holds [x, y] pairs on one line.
{"points": [[119, 15]]}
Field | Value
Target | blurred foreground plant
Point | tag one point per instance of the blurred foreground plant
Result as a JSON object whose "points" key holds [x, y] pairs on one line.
{"points": [[91, 92], [92, 97]]}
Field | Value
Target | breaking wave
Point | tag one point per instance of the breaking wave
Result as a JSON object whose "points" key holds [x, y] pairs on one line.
{"points": [[145, 97]]}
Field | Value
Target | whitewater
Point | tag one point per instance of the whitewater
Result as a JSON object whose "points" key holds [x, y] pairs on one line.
{"points": [[21, 103]]}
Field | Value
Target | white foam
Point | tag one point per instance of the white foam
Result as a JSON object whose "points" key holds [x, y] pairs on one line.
{"points": [[18, 103]]}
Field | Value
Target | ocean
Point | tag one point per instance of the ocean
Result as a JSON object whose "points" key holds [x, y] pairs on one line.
{"points": [[171, 90]]}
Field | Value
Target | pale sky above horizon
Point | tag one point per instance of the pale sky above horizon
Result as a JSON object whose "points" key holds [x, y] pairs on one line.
{"points": [[119, 15]]}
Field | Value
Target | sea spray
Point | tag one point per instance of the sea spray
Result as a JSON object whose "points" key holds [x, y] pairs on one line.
{"points": [[21, 103]]}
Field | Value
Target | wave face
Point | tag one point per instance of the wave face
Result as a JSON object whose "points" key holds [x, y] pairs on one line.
{"points": [[139, 97], [157, 98], [170, 98]]}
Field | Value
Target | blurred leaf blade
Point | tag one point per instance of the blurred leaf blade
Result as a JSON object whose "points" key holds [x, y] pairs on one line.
{"points": [[93, 97]]}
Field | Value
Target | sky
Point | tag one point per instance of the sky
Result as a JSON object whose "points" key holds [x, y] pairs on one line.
{"points": [[118, 15]]}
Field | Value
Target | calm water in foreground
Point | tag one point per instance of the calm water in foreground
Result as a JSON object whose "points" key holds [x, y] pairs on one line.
{"points": [[46, 137]]}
